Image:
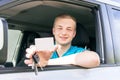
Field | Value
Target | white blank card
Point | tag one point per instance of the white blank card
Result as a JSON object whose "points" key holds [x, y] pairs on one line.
{"points": [[46, 43]]}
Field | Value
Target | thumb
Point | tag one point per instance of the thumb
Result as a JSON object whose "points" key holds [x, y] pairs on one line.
{"points": [[54, 49]]}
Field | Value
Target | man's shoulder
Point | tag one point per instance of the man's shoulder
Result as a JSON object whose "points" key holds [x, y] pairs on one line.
{"points": [[77, 49]]}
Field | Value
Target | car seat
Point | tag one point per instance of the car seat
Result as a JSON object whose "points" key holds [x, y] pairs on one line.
{"points": [[28, 40], [82, 38]]}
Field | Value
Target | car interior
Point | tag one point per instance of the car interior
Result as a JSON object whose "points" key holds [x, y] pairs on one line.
{"points": [[34, 19]]}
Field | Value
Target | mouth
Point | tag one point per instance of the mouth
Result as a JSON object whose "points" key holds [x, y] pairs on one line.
{"points": [[64, 38]]}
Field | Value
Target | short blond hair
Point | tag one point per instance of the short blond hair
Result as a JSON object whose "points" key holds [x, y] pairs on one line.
{"points": [[65, 16]]}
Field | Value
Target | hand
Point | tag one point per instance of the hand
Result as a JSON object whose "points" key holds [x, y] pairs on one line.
{"points": [[44, 55]]}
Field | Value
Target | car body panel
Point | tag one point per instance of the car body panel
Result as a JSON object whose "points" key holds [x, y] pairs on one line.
{"points": [[101, 73]]}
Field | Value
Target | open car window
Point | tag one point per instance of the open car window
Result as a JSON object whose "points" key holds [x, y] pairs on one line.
{"points": [[34, 19]]}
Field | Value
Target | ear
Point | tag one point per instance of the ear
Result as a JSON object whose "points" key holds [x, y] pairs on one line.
{"points": [[53, 30], [74, 34]]}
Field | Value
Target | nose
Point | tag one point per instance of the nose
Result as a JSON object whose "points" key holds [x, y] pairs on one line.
{"points": [[64, 32]]}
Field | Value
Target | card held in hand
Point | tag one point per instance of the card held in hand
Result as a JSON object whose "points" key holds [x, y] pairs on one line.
{"points": [[46, 43]]}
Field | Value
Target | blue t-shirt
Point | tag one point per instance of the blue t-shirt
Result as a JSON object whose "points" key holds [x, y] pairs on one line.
{"points": [[71, 50]]}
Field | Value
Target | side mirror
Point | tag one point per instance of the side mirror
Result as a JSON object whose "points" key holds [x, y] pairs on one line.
{"points": [[3, 40]]}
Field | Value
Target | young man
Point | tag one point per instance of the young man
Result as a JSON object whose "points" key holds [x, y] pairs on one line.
{"points": [[64, 30]]}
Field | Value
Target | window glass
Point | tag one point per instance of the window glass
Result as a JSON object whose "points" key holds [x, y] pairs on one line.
{"points": [[116, 33], [116, 20], [3, 2], [14, 38]]}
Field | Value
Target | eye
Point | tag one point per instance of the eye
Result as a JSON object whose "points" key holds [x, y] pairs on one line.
{"points": [[69, 29], [59, 28]]}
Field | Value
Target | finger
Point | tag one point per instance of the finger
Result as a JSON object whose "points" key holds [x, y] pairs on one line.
{"points": [[54, 49], [33, 47], [28, 56], [30, 52], [30, 61]]}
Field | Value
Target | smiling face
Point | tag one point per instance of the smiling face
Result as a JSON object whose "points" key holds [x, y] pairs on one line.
{"points": [[64, 30]]}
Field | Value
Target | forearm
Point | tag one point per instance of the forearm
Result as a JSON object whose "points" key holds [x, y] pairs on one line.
{"points": [[63, 60], [86, 59]]}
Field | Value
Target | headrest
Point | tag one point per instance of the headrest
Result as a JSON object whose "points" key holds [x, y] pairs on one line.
{"points": [[81, 39]]}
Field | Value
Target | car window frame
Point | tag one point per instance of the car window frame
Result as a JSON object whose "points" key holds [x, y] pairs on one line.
{"points": [[116, 47]]}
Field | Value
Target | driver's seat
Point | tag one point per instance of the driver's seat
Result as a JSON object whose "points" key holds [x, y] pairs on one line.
{"points": [[82, 38]]}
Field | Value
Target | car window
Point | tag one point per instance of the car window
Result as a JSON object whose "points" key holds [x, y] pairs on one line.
{"points": [[116, 16], [14, 42], [116, 32], [38, 16]]}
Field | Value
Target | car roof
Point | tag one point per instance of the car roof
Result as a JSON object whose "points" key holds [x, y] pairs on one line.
{"points": [[41, 14]]}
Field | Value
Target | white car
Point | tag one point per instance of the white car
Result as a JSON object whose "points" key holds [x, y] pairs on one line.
{"points": [[21, 21]]}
